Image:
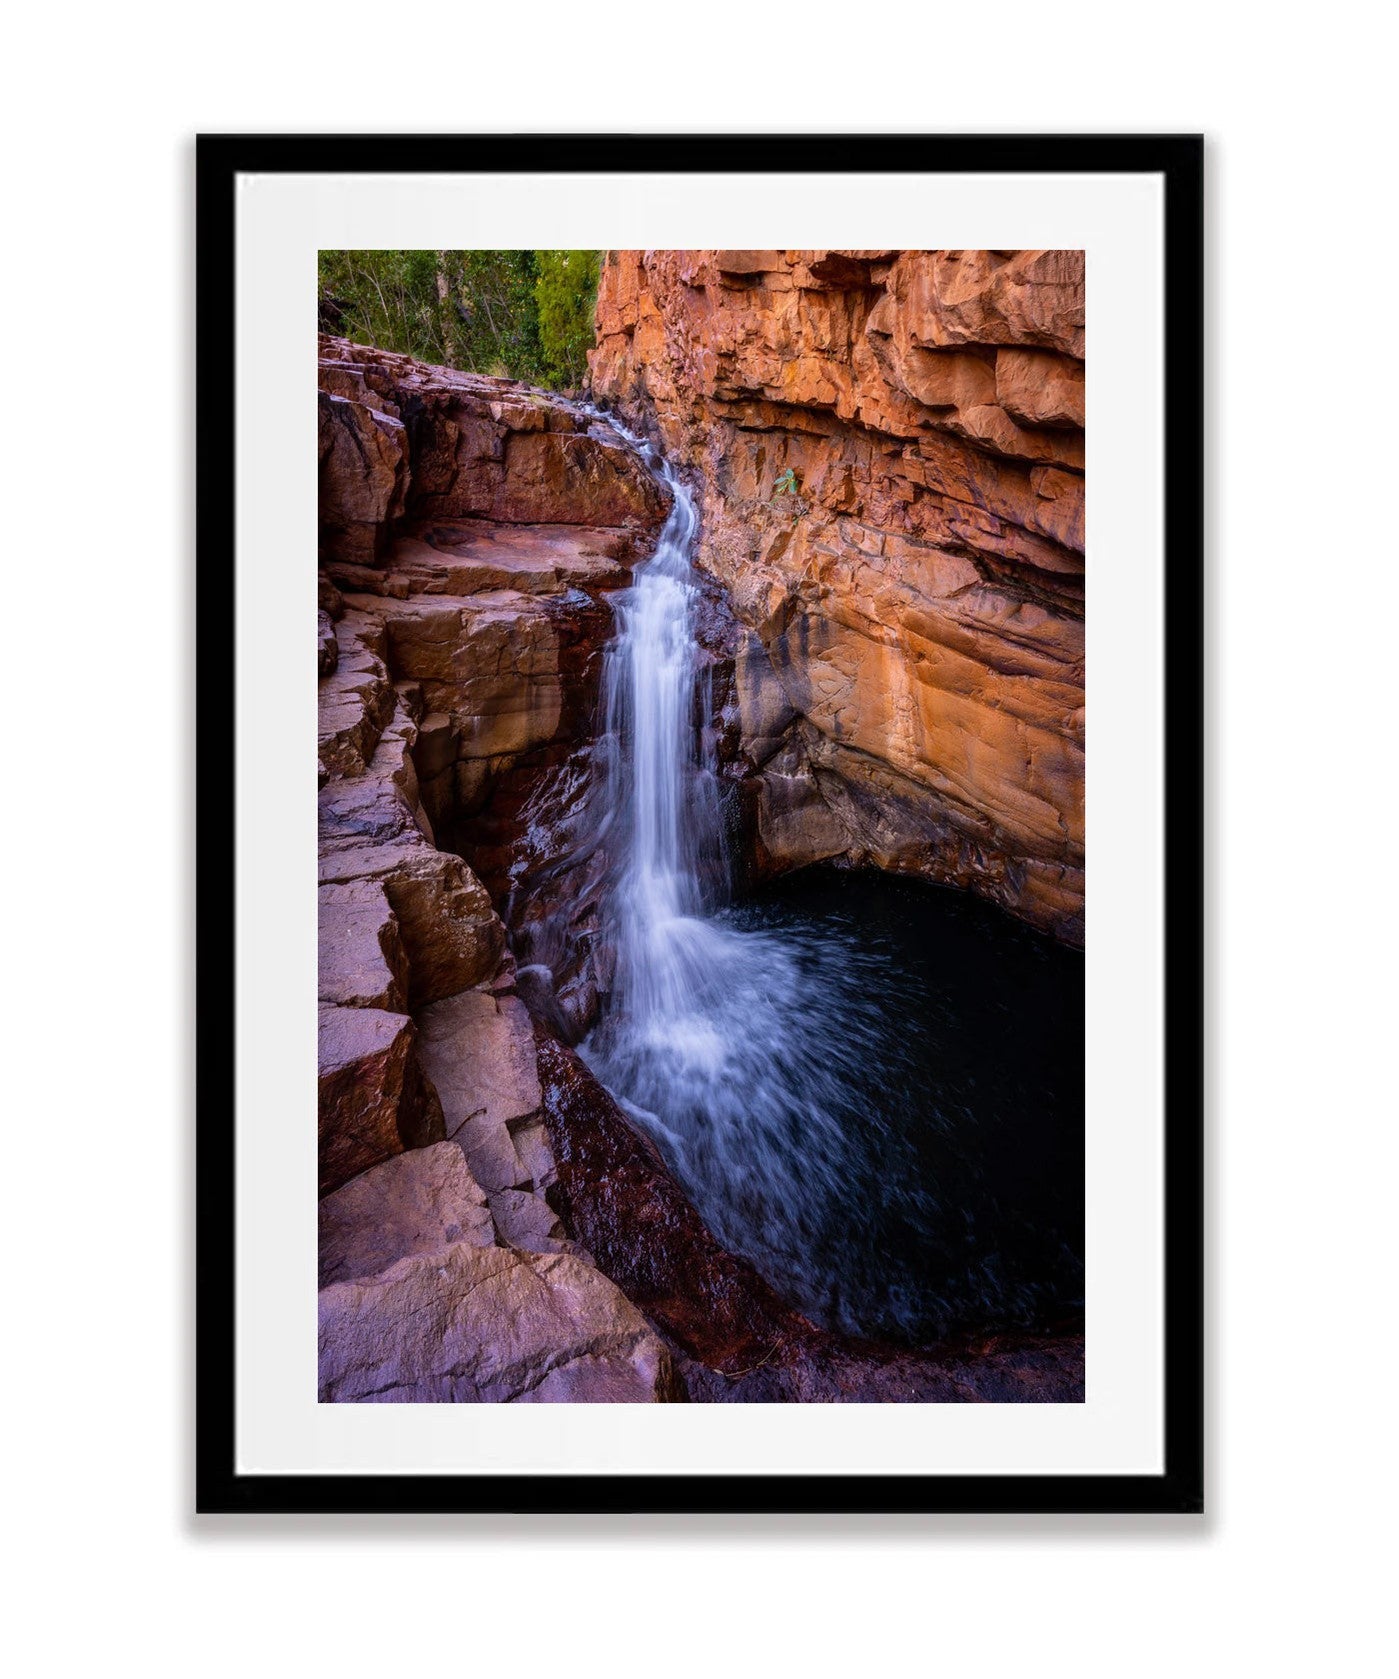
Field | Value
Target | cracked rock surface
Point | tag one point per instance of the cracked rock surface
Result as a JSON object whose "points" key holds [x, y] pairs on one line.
{"points": [[468, 527]]}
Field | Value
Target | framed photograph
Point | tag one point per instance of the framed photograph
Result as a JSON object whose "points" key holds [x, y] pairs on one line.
{"points": [[701, 979]]}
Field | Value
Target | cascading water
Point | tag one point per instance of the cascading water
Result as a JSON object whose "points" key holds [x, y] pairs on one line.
{"points": [[767, 1052]]}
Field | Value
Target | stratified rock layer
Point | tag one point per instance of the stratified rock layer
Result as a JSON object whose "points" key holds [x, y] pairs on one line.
{"points": [[467, 529], [888, 448]]}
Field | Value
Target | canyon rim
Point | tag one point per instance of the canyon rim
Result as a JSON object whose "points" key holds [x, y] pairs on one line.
{"points": [[701, 826]]}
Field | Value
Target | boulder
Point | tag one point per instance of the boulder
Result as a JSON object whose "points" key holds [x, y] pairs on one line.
{"points": [[450, 929], [363, 476], [478, 1050], [372, 833], [419, 1202], [373, 1099], [528, 1221], [361, 958], [472, 1324]]}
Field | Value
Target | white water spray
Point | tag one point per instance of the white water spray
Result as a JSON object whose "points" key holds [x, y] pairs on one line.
{"points": [[663, 797]]}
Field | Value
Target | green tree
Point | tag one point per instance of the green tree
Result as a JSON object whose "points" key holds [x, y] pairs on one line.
{"points": [[517, 314], [566, 292]]}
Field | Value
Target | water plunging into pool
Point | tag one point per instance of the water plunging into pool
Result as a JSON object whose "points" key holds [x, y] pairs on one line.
{"points": [[861, 1082]]}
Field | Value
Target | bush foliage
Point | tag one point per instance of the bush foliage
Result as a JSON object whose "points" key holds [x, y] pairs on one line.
{"points": [[565, 293], [516, 314]]}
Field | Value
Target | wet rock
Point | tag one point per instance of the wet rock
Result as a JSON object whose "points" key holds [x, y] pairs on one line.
{"points": [[640, 1229], [796, 824], [418, 1202], [473, 1324], [765, 711], [1012, 1370]]}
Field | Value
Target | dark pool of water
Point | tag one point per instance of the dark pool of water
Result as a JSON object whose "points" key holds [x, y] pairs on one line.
{"points": [[957, 1095]]}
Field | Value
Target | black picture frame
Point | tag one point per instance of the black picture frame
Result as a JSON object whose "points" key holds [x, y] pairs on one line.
{"points": [[1178, 159]]}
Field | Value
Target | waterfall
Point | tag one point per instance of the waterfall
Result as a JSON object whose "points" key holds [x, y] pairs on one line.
{"points": [[771, 1064], [733, 1048], [662, 796]]}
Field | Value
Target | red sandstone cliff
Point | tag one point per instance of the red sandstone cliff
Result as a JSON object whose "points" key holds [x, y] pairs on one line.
{"points": [[909, 688]]}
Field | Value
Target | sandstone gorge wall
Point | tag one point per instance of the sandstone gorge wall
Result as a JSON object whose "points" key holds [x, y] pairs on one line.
{"points": [[909, 677], [467, 528]]}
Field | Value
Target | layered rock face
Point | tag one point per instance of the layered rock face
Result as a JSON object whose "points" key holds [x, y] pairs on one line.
{"points": [[467, 529], [889, 451]]}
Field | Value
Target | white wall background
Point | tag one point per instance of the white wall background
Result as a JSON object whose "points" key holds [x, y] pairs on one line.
{"points": [[1285, 1575]]}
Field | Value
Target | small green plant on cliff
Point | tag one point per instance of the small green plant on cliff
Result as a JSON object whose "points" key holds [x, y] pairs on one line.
{"points": [[787, 496]]}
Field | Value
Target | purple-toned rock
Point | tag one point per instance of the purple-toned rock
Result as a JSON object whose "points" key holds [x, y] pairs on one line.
{"points": [[374, 1101], [473, 1325], [419, 1202]]}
